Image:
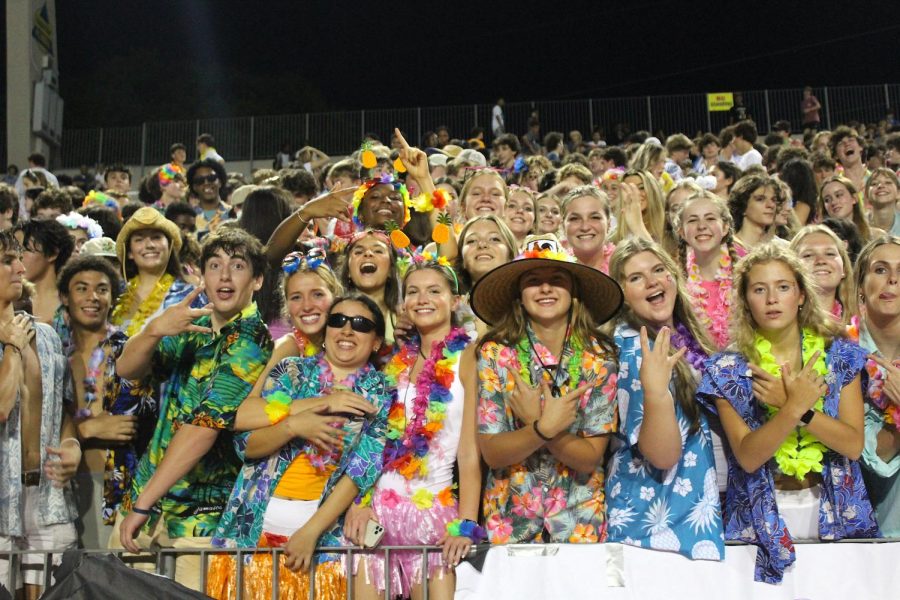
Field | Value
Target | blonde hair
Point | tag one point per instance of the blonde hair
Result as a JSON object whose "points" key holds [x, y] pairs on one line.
{"points": [[844, 292], [811, 314], [475, 175], [685, 384], [864, 260], [724, 214], [509, 240], [654, 216], [647, 155], [323, 271], [858, 218], [580, 192]]}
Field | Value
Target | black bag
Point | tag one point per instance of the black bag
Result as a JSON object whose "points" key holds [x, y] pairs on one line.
{"points": [[97, 576]]}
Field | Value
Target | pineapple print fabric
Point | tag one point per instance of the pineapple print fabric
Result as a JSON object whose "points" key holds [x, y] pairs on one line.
{"points": [[675, 510], [540, 494]]}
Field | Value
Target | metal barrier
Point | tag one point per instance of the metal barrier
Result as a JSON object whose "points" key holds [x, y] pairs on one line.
{"points": [[165, 563], [258, 138], [164, 559]]}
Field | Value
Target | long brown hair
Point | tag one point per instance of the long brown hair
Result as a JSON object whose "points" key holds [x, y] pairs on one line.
{"points": [[858, 218], [685, 384]]}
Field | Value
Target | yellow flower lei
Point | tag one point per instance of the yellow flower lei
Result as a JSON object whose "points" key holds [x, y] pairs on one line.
{"points": [[801, 452], [146, 308]]}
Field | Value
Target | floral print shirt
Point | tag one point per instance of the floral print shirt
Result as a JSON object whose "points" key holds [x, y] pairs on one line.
{"points": [[540, 494], [209, 377], [751, 514], [242, 521], [55, 504], [676, 509]]}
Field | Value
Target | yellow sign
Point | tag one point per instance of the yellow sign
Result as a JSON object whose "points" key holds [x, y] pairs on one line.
{"points": [[720, 101]]}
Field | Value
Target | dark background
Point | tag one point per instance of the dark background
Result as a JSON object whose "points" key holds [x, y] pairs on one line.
{"points": [[125, 62]]}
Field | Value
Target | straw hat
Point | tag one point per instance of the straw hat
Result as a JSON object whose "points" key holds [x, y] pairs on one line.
{"points": [[147, 218], [498, 290]]}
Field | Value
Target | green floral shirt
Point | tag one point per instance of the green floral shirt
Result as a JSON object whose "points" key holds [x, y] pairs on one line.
{"points": [[207, 376]]}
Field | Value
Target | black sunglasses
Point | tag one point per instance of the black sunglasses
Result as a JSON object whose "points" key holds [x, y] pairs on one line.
{"points": [[359, 324], [207, 179]]}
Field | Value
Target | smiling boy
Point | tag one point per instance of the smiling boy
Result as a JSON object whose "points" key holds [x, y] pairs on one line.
{"points": [[210, 358]]}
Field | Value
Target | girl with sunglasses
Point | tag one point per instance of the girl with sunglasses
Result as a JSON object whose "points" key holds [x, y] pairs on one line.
{"points": [[309, 460], [431, 431], [794, 445], [661, 487]]}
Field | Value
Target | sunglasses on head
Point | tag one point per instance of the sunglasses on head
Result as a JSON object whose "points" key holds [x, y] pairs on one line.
{"points": [[212, 178], [358, 324]]}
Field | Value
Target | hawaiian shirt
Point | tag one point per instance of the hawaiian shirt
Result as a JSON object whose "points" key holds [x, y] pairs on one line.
{"points": [[540, 494], [209, 375], [751, 514], [204, 224], [881, 476], [675, 509], [124, 397], [242, 521], [55, 504]]}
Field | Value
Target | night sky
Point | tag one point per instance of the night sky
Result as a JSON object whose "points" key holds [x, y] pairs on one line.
{"points": [[205, 58]]}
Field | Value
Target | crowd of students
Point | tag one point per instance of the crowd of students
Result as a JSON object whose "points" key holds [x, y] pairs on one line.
{"points": [[666, 344]]}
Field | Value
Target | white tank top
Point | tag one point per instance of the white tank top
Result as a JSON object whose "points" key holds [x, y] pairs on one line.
{"points": [[443, 449]]}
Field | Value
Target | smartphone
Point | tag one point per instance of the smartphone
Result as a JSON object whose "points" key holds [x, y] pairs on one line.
{"points": [[374, 533]]}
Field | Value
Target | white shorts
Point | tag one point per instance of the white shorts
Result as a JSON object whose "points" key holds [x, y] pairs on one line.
{"points": [[800, 511], [284, 517], [61, 536]]}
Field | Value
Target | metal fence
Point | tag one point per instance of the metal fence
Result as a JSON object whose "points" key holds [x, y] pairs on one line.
{"points": [[257, 139], [164, 560]]}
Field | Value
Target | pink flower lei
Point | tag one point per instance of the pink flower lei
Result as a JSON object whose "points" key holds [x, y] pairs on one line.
{"points": [[716, 321]]}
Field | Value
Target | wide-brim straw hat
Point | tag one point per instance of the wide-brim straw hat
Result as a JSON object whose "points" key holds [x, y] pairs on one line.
{"points": [[498, 290], [147, 218]]}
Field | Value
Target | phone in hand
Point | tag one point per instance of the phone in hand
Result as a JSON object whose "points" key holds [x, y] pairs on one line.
{"points": [[374, 533]]}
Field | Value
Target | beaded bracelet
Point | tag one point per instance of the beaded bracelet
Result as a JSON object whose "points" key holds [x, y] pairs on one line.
{"points": [[467, 528]]}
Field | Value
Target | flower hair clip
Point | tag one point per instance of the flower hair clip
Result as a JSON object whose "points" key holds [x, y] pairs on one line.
{"points": [[168, 173]]}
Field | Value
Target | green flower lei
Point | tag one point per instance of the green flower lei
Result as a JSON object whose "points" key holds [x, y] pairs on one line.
{"points": [[573, 368], [801, 452]]}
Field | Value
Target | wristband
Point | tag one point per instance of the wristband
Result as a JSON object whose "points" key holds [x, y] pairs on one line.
{"points": [[466, 528], [538, 432], [807, 417], [141, 511], [13, 346]]}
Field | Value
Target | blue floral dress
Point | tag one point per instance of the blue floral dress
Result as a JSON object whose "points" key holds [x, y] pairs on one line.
{"points": [[676, 509], [751, 514]]}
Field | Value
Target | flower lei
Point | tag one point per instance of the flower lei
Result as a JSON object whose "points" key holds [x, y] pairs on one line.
{"points": [[408, 440], [75, 220], [716, 322], [875, 388], [573, 368], [95, 198], [695, 354], [146, 308], [94, 372], [307, 349], [801, 452]]}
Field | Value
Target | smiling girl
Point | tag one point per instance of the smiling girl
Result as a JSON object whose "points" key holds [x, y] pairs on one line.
{"points": [[431, 432], [519, 213], [546, 399], [585, 213], [708, 255], [790, 403], [825, 255], [838, 199]]}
